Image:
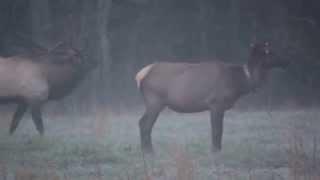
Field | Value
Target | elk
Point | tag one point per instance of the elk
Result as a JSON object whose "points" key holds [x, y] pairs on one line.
{"points": [[33, 79], [196, 87]]}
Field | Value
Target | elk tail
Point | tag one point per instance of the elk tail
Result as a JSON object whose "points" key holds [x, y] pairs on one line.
{"points": [[142, 74]]}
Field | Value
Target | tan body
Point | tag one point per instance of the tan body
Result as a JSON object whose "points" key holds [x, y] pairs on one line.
{"points": [[181, 85], [28, 79], [207, 86], [31, 81]]}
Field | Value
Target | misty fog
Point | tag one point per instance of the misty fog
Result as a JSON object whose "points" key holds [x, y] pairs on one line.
{"points": [[93, 132]]}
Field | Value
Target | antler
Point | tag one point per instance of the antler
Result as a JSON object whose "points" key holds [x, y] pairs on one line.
{"points": [[56, 46]]}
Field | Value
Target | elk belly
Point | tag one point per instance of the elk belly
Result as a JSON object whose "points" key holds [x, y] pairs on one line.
{"points": [[186, 97]]}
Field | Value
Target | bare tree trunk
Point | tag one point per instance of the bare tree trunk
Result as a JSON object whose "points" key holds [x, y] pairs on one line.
{"points": [[203, 19], [40, 18], [94, 32], [235, 19]]}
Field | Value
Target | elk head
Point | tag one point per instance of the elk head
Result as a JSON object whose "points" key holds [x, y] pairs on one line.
{"points": [[262, 55], [65, 53]]}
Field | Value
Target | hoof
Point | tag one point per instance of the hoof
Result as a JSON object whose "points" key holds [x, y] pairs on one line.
{"points": [[148, 151], [41, 132], [11, 132], [215, 149]]}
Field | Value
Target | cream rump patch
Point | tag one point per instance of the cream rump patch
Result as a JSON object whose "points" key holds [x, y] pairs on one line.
{"points": [[142, 74]]}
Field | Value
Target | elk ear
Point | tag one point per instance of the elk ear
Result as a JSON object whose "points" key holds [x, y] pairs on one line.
{"points": [[71, 52]]}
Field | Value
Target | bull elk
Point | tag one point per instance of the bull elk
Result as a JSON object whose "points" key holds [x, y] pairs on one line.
{"points": [[195, 87], [32, 80]]}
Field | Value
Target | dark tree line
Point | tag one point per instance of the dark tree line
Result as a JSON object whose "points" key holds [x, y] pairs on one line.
{"points": [[127, 34]]}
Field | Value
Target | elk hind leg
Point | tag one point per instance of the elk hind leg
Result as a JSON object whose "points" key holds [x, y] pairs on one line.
{"points": [[146, 124]]}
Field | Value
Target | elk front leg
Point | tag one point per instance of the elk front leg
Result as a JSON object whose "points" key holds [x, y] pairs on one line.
{"points": [[216, 117], [37, 118], [21, 109]]}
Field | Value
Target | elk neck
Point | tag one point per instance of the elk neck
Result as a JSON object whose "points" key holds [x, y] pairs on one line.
{"points": [[255, 74]]}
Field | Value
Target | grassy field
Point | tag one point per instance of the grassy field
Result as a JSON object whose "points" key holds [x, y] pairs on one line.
{"points": [[105, 146]]}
